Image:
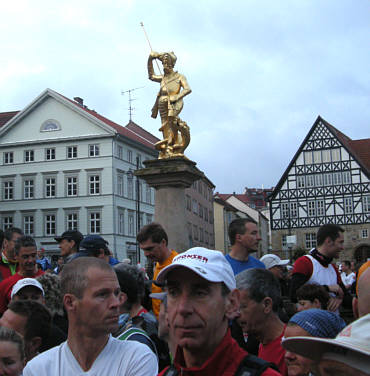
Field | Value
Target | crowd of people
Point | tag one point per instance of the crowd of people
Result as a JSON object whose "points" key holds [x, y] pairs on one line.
{"points": [[198, 312]]}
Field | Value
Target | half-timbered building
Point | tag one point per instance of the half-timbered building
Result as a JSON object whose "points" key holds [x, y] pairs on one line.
{"points": [[327, 181]]}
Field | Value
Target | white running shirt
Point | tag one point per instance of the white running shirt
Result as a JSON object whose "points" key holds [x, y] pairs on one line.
{"points": [[118, 358]]}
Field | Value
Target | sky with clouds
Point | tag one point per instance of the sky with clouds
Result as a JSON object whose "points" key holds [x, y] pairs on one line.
{"points": [[261, 71]]}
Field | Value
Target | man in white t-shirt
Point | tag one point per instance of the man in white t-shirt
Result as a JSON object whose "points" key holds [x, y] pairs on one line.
{"points": [[348, 277], [91, 297]]}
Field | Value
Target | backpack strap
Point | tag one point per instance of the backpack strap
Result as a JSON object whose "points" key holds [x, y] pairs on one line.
{"points": [[171, 371], [251, 365], [130, 332]]}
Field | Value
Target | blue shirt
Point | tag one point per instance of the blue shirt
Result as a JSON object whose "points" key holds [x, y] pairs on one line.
{"points": [[239, 266]]}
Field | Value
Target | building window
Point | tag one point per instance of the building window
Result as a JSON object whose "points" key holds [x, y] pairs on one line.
{"points": [[71, 152], [300, 181], [131, 226], [335, 154], [141, 220], [366, 204], [293, 210], [284, 210], [140, 190], [195, 206], [318, 180], [211, 217], [72, 221], [320, 207], [94, 222], [120, 185], [148, 194], [130, 187], [8, 157], [8, 192], [28, 189], [200, 211], [29, 155], [328, 179], [200, 187], [50, 224], [188, 202], [94, 150], [129, 156], [201, 234], [149, 218], [94, 184], [138, 160], [310, 180], [317, 156], [195, 232], [71, 186], [206, 237], [121, 223], [337, 178], [50, 187], [308, 157], [206, 214], [284, 242], [348, 205], [50, 154], [346, 177], [7, 222], [119, 152], [311, 208], [28, 224], [310, 240], [326, 155], [364, 233], [50, 125]]}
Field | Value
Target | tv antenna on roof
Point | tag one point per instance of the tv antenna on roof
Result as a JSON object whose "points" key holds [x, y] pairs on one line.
{"points": [[130, 99]]}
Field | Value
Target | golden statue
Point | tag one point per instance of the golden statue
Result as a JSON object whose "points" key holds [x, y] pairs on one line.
{"points": [[169, 103]]}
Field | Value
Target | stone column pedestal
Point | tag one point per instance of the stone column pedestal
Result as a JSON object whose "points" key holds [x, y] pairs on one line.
{"points": [[170, 177]]}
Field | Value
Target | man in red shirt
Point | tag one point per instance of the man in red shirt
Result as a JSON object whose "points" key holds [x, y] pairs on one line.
{"points": [[26, 254], [317, 266], [201, 298], [8, 264], [259, 303]]}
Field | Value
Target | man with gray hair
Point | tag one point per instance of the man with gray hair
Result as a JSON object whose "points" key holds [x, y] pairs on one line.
{"points": [[259, 302], [91, 297], [201, 298]]}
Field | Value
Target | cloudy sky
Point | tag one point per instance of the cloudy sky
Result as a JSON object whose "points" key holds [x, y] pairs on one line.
{"points": [[261, 71]]}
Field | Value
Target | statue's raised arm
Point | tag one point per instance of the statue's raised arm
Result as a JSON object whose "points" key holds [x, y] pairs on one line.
{"points": [[173, 88]]}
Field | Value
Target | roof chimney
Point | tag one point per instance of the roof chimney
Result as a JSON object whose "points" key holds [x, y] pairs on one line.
{"points": [[79, 100]]}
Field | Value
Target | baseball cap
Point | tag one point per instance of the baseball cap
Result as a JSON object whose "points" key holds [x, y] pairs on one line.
{"points": [[93, 243], [208, 264], [70, 235], [270, 260], [26, 282], [351, 346]]}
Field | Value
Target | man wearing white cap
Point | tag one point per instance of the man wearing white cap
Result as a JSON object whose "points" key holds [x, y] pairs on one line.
{"points": [[277, 267], [275, 264], [201, 298], [347, 354], [28, 289]]}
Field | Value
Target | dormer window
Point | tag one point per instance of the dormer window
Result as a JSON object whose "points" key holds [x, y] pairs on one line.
{"points": [[50, 126]]}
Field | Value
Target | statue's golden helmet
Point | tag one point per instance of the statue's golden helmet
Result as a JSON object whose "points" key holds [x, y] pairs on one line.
{"points": [[171, 55]]}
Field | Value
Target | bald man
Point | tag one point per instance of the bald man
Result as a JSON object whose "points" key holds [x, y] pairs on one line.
{"points": [[361, 303]]}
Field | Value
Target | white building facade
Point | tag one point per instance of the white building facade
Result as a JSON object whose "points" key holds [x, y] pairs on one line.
{"points": [[64, 166]]}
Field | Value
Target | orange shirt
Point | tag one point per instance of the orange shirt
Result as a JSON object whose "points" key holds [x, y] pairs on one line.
{"points": [[156, 303], [360, 271]]}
